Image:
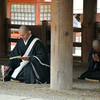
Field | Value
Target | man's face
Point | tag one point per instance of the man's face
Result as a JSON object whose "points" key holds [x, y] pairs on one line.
{"points": [[96, 48], [24, 35]]}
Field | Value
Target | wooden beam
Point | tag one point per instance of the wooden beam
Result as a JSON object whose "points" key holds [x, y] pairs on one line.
{"points": [[17, 26], [77, 44], [13, 40], [77, 29]]}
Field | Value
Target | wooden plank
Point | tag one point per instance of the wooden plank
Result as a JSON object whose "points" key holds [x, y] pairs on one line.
{"points": [[74, 29], [77, 29], [77, 44], [77, 58], [13, 40], [17, 26]]}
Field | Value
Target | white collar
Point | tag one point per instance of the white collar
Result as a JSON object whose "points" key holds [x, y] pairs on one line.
{"points": [[25, 42]]}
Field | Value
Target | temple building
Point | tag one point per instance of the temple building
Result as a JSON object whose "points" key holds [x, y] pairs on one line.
{"points": [[52, 21]]}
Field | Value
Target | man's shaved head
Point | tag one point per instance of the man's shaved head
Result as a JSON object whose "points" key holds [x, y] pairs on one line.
{"points": [[23, 29], [96, 43], [24, 32]]}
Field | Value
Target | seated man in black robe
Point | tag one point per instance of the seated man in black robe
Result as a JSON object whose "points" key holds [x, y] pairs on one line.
{"points": [[33, 66], [93, 71]]}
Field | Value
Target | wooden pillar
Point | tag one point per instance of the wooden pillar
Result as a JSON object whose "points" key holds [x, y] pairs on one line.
{"points": [[44, 31], [3, 5], [8, 36], [61, 44], [89, 26]]}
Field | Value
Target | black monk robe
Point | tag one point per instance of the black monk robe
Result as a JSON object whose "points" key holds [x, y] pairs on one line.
{"points": [[38, 62], [93, 71]]}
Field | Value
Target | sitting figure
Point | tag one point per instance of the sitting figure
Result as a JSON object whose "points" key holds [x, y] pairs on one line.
{"points": [[94, 63], [31, 64]]}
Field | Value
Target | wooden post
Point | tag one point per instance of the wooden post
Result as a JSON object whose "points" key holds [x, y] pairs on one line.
{"points": [[98, 30], [44, 31], [61, 44], [8, 35], [3, 13], [89, 27]]}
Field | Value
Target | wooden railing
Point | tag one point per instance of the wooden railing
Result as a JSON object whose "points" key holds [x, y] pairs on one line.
{"points": [[76, 44], [38, 30], [41, 31]]}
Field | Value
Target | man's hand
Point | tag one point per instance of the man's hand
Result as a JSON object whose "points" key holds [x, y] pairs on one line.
{"points": [[5, 69], [95, 57], [25, 58]]}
